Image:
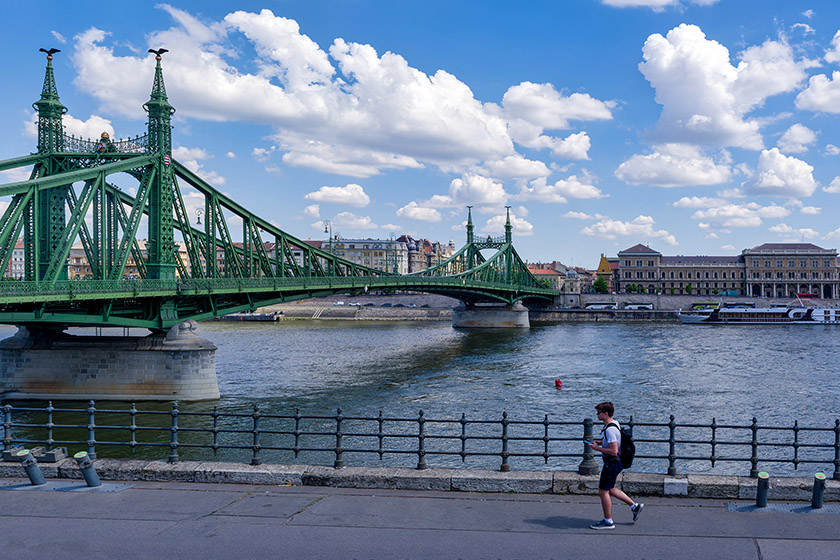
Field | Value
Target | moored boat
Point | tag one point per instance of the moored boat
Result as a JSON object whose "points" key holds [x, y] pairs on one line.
{"points": [[763, 316]]}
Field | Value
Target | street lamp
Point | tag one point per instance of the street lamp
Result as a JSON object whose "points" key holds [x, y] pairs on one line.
{"points": [[328, 229], [198, 213], [392, 237]]}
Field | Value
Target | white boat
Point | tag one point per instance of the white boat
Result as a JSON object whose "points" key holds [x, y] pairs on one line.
{"points": [[787, 315]]}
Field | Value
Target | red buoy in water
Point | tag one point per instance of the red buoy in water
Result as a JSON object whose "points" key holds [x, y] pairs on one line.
{"points": [[558, 383]]}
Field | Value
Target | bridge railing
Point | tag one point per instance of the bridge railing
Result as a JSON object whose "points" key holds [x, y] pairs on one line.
{"points": [[141, 286], [164, 431]]}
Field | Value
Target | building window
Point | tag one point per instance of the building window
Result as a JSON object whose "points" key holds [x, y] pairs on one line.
{"points": [[639, 262], [826, 263], [814, 263], [791, 263], [724, 275], [801, 263], [650, 263], [755, 263], [766, 263], [779, 263], [714, 275], [672, 275]]}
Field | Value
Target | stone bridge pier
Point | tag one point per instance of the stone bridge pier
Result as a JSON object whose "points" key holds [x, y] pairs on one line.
{"points": [[490, 315], [59, 366]]}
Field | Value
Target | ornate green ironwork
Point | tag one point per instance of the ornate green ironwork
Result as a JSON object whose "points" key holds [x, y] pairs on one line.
{"points": [[185, 270]]}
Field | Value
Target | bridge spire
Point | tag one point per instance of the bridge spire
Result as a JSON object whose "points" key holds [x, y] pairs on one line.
{"points": [[508, 227], [160, 111], [50, 110], [470, 227], [161, 244]]}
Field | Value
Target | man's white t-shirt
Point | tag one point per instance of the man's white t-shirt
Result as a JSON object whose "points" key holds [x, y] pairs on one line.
{"points": [[611, 434]]}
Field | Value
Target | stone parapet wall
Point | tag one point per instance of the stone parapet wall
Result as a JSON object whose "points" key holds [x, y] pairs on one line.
{"points": [[464, 480]]}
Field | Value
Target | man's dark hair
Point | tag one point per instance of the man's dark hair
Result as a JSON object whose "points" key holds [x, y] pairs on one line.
{"points": [[606, 407]]}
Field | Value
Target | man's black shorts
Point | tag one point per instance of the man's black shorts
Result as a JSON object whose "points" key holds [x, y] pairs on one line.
{"points": [[609, 473]]}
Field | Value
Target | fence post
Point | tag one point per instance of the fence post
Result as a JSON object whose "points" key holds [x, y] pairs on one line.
{"points": [[672, 447], [421, 442], [50, 425], [754, 446], [380, 422], [588, 464], [7, 428], [505, 466], [297, 432], [91, 426], [173, 441], [339, 452], [545, 439], [132, 413], [215, 445], [836, 475], [463, 438], [255, 460]]}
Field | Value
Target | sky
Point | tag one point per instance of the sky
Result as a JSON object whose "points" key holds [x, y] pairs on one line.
{"points": [[697, 127]]}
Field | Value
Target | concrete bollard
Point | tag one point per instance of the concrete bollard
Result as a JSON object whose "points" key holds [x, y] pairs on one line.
{"points": [[30, 465], [761, 491], [86, 466], [819, 490]]}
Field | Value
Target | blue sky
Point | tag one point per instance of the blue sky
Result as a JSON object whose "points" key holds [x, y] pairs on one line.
{"points": [[695, 126]]}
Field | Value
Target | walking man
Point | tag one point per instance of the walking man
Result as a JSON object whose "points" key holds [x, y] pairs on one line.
{"points": [[610, 446]]}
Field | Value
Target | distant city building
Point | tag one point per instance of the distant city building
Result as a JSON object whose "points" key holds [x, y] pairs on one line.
{"points": [[382, 254], [768, 270], [571, 279]]}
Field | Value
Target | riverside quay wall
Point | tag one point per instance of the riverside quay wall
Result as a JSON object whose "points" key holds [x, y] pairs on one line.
{"points": [[463, 480]]}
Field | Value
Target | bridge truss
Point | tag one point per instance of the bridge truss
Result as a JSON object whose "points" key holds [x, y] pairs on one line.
{"points": [[76, 194]]}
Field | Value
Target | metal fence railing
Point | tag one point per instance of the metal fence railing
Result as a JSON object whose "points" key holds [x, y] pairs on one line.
{"points": [[418, 441]]}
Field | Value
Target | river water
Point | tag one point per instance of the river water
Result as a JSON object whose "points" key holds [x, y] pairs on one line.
{"points": [[776, 373]]}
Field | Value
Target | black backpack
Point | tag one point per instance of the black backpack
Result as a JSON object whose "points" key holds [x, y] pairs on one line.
{"points": [[627, 449]]}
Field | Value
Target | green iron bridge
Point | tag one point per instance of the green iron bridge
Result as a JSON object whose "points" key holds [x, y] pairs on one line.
{"points": [[71, 197]]}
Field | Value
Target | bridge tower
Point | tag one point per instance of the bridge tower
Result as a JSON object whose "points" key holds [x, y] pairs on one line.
{"points": [[45, 217], [161, 241]]}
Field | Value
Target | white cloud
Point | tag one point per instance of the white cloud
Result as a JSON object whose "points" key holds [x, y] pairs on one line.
{"points": [[833, 54], [350, 195], [780, 175], [655, 5], [796, 139], [578, 216], [699, 202], [704, 98], [496, 224], [344, 109], [738, 215], [191, 158], [821, 95], [530, 109], [833, 234], [413, 211], [59, 37], [673, 165], [811, 210], [640, 227], [230, 155], [312, 211], [833, 187], [572, 187], [542, 105], [517, 167], [808, 13], [470, 190], [350, 221], [802, 233], [831, 150], [16, 175]]}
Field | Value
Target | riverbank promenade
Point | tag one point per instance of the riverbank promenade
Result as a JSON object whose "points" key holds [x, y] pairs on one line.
{"points": [[202, 521]]}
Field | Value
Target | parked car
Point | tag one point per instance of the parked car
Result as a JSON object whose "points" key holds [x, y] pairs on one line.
{"points": [[338, 303]]}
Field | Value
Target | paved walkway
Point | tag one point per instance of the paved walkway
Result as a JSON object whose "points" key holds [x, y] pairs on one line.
{"points": [[201, 521]]}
